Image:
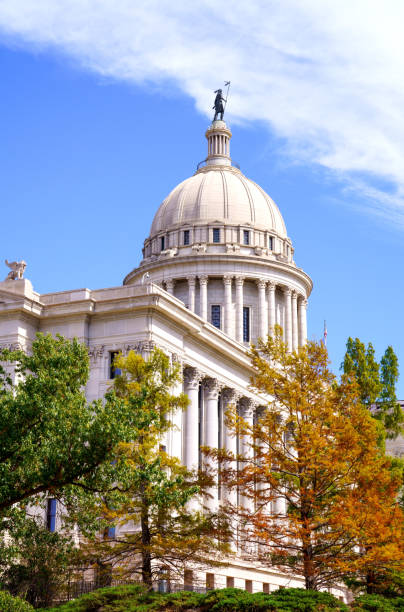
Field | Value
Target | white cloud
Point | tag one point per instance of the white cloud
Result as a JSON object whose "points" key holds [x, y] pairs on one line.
{"points": [[326, 75]]}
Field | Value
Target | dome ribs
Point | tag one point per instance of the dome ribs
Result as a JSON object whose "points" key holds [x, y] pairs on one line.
{"points": [[197, 209], [250, 199], [225, 196]]}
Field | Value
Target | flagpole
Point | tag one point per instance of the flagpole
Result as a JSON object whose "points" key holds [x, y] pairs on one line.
{"points": [[227, 94]]}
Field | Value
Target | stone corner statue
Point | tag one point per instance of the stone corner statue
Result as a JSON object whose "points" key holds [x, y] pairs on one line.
{"points": [[218, 105], [17, 269]]}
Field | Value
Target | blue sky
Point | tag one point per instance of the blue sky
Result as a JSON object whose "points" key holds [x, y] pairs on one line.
{"points": [[103, 110]]}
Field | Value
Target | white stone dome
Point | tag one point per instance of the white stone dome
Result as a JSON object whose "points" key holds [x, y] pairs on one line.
{"points": [[219, 193]]}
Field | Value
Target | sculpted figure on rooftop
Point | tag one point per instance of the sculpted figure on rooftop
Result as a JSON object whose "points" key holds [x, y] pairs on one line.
{"points": [[218, 105], [17, 269]]}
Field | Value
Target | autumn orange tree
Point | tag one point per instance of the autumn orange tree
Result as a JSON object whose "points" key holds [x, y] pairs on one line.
{"points": [[318, 496]]}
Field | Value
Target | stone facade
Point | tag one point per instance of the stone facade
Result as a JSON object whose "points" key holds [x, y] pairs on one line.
{"points": [[217, 273]]}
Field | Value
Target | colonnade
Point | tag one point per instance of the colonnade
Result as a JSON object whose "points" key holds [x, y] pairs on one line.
{"points": [[295, 305], [203, 427]]}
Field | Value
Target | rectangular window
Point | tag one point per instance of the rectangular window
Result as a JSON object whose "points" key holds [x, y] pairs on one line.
{"points": [[216, 234], [113, 371], [229, 582], [265, 587], [249, 586], [111, 532], [246, 324], [246, 234], [215, 315], [162, 243], [210, 581], [186, 237], [271, 242], [188, 579], [51, 514]]}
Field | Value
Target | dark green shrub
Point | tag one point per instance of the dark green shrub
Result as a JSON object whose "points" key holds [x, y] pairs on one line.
{"points": [[136, 599], [378, 603], [285, 600], [108, 596], [304, 600], [227, 600], [8, 603]]}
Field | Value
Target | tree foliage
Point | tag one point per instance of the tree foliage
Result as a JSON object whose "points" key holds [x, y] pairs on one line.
{"points": [[377, 383], [35, 563], [165, 535], [315, 447], [51, 439]]}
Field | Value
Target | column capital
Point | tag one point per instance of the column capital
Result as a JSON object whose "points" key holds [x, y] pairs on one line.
{"points": [[203, 279], [170, 284], [261, 283], [227, 279], [271, 285], [304, 301], [240, 280], [192, 377], [212, 387], [230, 396], [287, 291], [191, 280], [247, 406], [294, 295]]}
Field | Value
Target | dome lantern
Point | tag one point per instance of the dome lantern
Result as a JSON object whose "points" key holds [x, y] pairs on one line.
{"points": [[218, 136]]}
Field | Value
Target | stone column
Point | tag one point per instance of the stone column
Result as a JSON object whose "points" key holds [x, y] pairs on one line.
{"points": [[262, 309], [302, 321], [170, 286], [246, 451], [271, 307], [191, 293], [288, 318], [239, 308], [175, 433], [230, 398], [191, 418], [203, 297], [211, 396], [295, 334], [227, 281]]}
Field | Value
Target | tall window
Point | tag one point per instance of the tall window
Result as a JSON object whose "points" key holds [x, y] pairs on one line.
{"points": [[113, 371], [51, 514], [271, 242], [162, 243], [246, 234], [216, 234], [246, 324], [215, 315], [186, 237]]}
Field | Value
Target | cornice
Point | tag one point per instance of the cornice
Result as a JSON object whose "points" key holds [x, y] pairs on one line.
{"points": [[222, 258]]}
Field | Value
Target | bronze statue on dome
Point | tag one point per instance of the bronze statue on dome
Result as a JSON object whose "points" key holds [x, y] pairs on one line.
{"points": [[218, 105]]}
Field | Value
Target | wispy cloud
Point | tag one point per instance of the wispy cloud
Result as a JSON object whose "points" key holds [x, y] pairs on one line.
{"points": [[326, 76]]}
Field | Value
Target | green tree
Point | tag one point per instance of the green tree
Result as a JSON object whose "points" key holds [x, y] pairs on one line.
{"points": [[360, 360], [51, 439], [35, 563], [158, 488], [390, 411], [377, 383]]}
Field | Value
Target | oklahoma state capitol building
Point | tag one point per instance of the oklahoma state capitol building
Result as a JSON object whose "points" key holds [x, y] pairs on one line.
{"points": [[217, 273]]}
